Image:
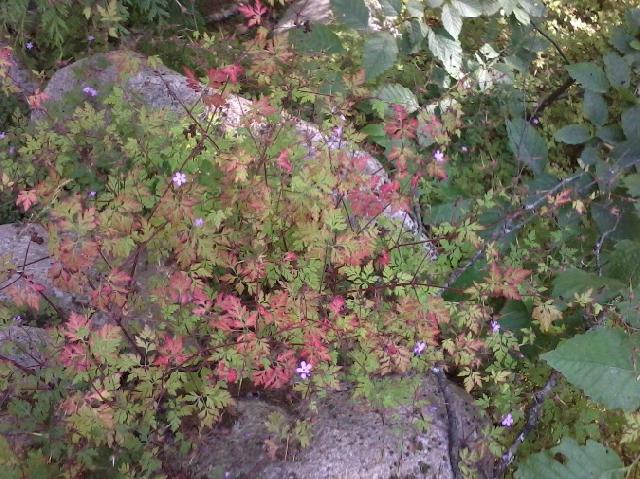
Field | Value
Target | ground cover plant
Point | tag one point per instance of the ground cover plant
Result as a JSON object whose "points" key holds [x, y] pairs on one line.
{"points": [[218, 261]]}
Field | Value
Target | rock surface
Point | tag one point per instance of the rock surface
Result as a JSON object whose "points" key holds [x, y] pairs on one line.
{"points": [[27, 245], [350, 440], [25, 346], [17, 77]]}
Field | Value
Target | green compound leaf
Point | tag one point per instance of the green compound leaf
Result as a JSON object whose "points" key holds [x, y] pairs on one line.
{"points": [[631, 123], [617, 70], [601, 362], [319, 39], [595, 108], [448, 51], [527, 145], [451, 20], [395, 94], [380, 53], [573, 134], [575, 281], [352, 13], [590, 76], [591, 461]]}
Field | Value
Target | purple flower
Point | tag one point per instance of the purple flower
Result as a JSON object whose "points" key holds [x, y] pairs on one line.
{"points": [[91, 38], [198, 223], [92, 194], [29, 45], [17, 319], [90, 91], [535, 120], [439, 156], [179, 179], [507, 421], [419, 348], [3, 135], [464, 149], [495, 327], [304, 370]]}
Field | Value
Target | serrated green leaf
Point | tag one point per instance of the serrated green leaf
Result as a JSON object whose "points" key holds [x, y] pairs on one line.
{"points": [[467, 8], [593, 460], [448, 51], [451, 20], [590, 76], [395, 94], [319, 39], [631, 123], [623, 262], [601, 362], [632, 183], [575, 281], [630, 311], [380, 53], [573, 134], [391, 8], [527, 145], [617, 70], [352, 13], [595, 108]]}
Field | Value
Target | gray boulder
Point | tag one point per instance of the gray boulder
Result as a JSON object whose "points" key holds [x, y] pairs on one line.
{"points": [[350, 440], [16, 77], [24, 257], [24, 346], [154, 86]]}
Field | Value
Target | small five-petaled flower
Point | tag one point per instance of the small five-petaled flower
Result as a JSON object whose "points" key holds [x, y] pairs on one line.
{"points": [[419, 348], [304, 370], [439, 156], [495, 327], [179, 179], [198, 223], [29, 45], [507, 421], [90, 91], [3, 135]]}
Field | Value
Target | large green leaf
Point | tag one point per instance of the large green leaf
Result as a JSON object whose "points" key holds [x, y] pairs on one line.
{"points": [[617, 70], [448, 51], [352, 13], [575, 281], [623, 262], [601, 362], [391, 8], [590, 76], [595, 108], [527, 145], [573, 134], [395, 94], [632, 183], [319, 39], [631, 123], [468, 8], [380, 53], [569, 460], [451, 20], [630, 311]]}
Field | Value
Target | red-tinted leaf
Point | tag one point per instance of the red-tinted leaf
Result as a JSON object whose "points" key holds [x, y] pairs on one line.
{"points": [[26, 199]]}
